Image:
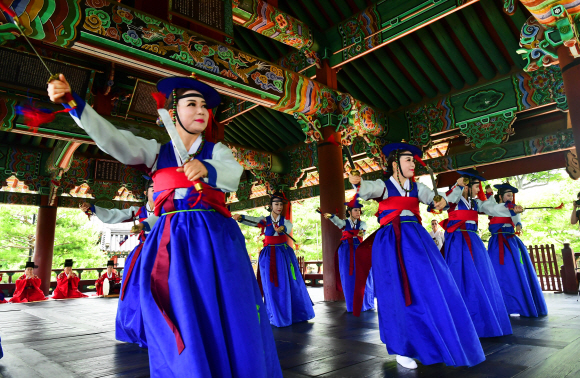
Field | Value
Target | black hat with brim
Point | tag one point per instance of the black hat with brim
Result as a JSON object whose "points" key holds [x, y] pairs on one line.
{"points": [[29, 264], [210, 95], [68, 262]]}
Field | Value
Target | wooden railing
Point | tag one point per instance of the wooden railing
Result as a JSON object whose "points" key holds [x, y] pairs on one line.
{"points": [[544, 261], [311, 279], [84, 285]]}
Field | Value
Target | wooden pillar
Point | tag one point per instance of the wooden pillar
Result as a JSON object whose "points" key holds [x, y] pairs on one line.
{"points": [[45, 229], [331, 193], [571, 76], [569, 281]]}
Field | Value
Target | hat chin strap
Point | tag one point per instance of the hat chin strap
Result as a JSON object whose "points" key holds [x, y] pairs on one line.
{"points": [[177, 113]]}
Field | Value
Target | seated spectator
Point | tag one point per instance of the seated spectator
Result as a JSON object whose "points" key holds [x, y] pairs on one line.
{"points": [[437, 234], [28, 287], [67, 283], [2, 300], [114, 280]]}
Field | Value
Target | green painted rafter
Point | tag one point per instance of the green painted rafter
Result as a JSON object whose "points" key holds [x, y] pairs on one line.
{"points": [[426, 65], [259, 131], [374, 77], [413, 70], [371, 93], [386, 79], [440, 57], [397, 74], [247, 129]]}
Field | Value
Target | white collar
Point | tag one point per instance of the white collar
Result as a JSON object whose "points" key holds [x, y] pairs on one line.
{"points": [[277, 219], [406, 185], [466, 202], [352, 222], [109, 275], [191, 151], [149, 210]]}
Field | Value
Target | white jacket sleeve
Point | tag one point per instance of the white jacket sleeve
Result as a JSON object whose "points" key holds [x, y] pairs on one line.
{"points": [[287, 226], [426, 194], [455, 195], [363, 225], [223, 169], [340, 223], [122, 145], [372, 189], [112, 216]]}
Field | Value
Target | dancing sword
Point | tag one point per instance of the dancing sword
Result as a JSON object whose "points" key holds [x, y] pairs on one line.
{"points": [[437, 197], [353, 170]]}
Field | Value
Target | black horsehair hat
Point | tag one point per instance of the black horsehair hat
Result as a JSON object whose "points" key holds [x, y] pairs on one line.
{"points": [[68, 262], [29, 264], [111, 263], [278, 196]]}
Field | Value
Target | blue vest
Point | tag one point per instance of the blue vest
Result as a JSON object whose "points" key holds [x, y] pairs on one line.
{"points": [[269, 230], [167, 157]]}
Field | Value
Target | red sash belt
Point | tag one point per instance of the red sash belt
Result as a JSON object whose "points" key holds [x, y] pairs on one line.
{"points": [[502, 239], [166, 180], [364, 251], [272, 241], [463, 216], [141, 238]]}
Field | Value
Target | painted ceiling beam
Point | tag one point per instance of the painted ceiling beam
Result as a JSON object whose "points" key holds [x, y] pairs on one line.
{"points": [[471, 47], [508, 39], [158, 48], [397, 74], [426, 65], [440, 57], [413, 70], [454, 54], [386, 78], [382, 23], [497, 58], [371, 92]]}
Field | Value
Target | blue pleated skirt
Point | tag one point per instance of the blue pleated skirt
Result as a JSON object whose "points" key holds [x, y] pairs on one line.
{"points": [[348, 280], [289, 302], [436, 327], [477, 283], [129, 321], [215, 302], [517, 277]]}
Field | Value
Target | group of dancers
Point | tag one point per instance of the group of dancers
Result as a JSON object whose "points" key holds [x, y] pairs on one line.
{"points": [[190, 295]]}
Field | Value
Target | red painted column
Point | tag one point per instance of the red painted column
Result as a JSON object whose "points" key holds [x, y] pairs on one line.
{"points": [[571, 76], [45, 229], [331, 193], [569, 281]]}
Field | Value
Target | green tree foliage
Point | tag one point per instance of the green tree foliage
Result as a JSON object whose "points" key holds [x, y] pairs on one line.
{"points": [[75, 238]]}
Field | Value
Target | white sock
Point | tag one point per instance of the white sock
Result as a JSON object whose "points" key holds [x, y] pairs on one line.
{"points": [[406, 362]]}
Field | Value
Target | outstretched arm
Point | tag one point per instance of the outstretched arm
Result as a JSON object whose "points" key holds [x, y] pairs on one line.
{"points": [[340, 223], [122, 145], [112, 216]]}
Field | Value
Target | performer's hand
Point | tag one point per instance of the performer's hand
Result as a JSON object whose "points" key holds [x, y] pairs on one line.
{"points": [[194, 170], [441, 204], [57, 89], [137, 228], [280, 229], [519, 229], [355, 180], [361, 233], [518, 209], [85, 206], [460, 182], [327, 215], [237, 217]]}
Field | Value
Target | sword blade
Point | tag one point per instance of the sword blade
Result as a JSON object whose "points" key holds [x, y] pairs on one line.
{"points": [[437, 197], [172, 131], [346, 152]]}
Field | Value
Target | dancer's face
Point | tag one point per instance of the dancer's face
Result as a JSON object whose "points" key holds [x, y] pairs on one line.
{"points": [[67, 269], [192, 112], [475, 189], [355, 213], [277, 207], [109, 269], [28, 272], [509, 196], [149, 193], [407, 165]]}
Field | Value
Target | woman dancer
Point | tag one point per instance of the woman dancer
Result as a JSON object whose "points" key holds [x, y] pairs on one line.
{"points": [[201, 306], [129, 321], [421, 312], [510, 258], [468, 260], [285, 294], [353, 229]]}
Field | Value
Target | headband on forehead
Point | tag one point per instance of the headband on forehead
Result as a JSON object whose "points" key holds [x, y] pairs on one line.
{"points": [[189, 95]]}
